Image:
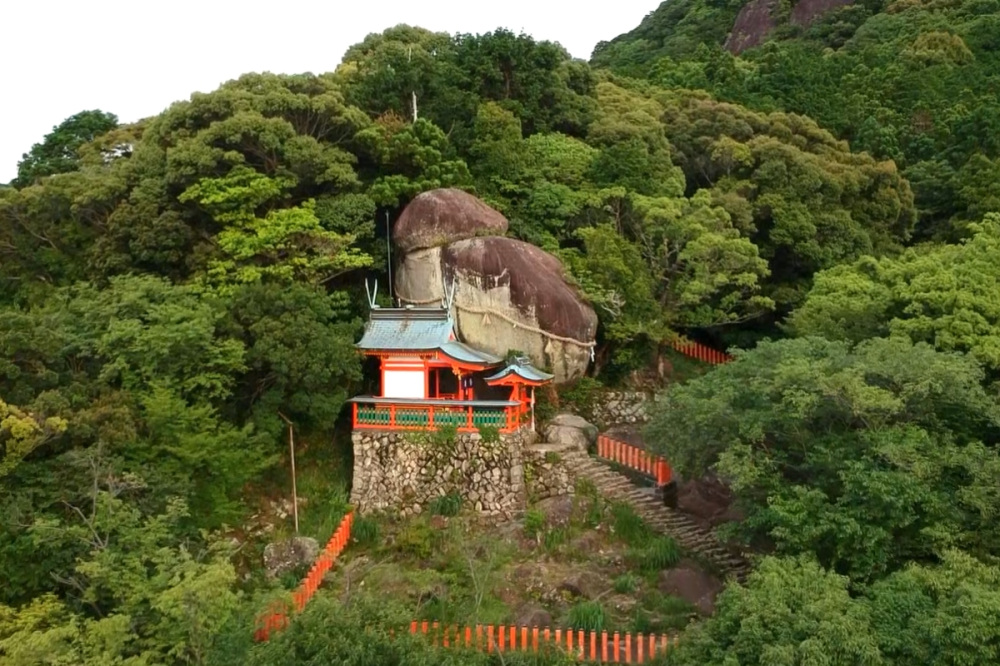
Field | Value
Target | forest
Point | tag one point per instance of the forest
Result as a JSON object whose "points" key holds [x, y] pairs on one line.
{"points": [[824, 205]]}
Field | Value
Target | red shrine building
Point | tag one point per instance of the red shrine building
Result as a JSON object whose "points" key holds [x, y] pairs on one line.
{"points": [[429, 379]]}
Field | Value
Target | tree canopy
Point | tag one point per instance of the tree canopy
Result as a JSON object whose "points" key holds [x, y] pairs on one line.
{"points": [[180, 294]]}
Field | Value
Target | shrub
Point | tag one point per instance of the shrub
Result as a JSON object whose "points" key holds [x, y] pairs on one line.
{"points": [[446, 505], [555, 538], [587, 615], [489, 434], [416, 539], [626, 583], [581, 395], [365, 531], [629, 526], [662, 553], [534, 523]]}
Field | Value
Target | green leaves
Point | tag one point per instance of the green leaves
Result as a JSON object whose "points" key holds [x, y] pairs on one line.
{"points": [[947, 296], [21, 433], [58, 152], [867, 457]]}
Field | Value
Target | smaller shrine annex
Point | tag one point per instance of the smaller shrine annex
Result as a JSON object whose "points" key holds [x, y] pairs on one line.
{"points": [[429, 379]]}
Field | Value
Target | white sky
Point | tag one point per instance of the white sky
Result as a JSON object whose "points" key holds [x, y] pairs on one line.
{"points": [[135, 57]]}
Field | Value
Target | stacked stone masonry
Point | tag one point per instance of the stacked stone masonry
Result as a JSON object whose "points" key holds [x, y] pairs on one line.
{"points": [[404, 472], [614, 408], [546, 473]]}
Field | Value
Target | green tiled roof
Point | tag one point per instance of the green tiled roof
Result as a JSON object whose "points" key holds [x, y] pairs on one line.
{"points": [[419, 329], [407, 329], [524, 370], [465, 353]]}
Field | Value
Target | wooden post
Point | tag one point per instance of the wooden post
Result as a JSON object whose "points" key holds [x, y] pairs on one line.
{"points": [[295, 492]]}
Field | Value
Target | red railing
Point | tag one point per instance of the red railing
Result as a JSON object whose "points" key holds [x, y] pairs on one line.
{"points": [[635, 458], [701, 352], [276, 617], [607, 648]]}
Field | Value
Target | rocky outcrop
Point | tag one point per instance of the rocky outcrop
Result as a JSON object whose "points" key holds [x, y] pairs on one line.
{"points": [[757, 19], [439, 217], [509, 295], [691, 583], [570, 430], [284, 556], [753, 24]]}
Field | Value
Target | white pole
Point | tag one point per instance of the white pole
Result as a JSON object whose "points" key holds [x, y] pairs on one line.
{"points": [[295, 492], [388, 254], [532, 409]]}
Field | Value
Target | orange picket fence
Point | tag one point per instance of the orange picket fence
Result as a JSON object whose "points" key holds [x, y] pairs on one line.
{"points": [[614, 648], [635, 458], [701, 352], [276, 617]]}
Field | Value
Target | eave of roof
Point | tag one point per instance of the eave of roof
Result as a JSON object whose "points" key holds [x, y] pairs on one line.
{"points": [[528, 373], [466, 354]]}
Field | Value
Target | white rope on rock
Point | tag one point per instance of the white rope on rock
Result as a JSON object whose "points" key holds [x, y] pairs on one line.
{"points": [[516, 324]]}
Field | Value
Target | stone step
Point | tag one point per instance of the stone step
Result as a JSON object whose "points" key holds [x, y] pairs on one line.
{"points": [[690, 535]]}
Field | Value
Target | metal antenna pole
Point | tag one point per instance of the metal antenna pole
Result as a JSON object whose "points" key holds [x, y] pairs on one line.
{"points": [[388, 253], [295, 492]]}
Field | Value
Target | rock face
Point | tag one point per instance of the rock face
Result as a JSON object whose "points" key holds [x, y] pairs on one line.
{"points": [[284, 556], [569, 430], [440, 217], [585, 584], [509, 295], [756, 20], [689, 582]]}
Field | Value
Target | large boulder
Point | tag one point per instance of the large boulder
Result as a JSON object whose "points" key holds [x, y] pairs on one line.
{"points": [[509, 295], [439, 217], [575, 422], [284, 556], [584, 584], [692, 584]]}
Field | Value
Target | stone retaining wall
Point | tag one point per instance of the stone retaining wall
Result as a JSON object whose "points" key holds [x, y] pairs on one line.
{"points": [[405, 472], [545, 471], [620, 408]]}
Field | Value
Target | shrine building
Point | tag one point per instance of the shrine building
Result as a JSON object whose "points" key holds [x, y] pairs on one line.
{"points": [[429, 379]]}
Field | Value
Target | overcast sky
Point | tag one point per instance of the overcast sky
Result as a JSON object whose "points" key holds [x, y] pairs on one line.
{"points": [[134, 58]]}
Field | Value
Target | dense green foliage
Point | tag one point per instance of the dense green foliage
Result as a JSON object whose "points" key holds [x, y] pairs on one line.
{"points": [[914, 81], [175, 292]]}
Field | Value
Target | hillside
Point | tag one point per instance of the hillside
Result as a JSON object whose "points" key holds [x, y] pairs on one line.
{"points": [[180, 300], [910, 81]]}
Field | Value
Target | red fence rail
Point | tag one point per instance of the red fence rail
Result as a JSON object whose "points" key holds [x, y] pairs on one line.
{"points": [[276, 617], [635, 458], [614, 648], [701, 352]]}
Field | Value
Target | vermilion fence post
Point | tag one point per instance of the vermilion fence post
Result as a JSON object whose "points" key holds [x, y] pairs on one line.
{"points": [[593, 645], [604, 646], [628, 648], [616, 646], [489, 638]]}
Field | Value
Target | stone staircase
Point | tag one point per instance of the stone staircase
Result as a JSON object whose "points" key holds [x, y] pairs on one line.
{"points": [[689, 535]]}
